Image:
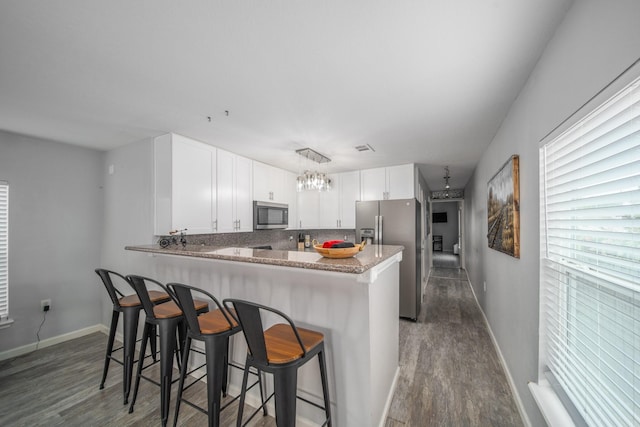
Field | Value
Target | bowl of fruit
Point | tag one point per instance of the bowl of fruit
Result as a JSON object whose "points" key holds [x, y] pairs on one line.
{"points": [[337, 248]]}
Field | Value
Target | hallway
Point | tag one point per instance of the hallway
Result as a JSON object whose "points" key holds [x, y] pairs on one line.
{"points": [[446, 260], [450, 374]]}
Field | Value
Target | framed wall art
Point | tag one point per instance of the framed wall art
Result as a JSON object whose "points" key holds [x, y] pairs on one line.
{"points": [[503, 208]]}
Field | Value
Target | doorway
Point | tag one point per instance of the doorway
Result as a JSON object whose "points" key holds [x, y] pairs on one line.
{"points": [[446, 235]]}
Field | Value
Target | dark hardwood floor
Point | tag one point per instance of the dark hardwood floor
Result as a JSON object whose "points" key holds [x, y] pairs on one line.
{"points": [[450, 375]]}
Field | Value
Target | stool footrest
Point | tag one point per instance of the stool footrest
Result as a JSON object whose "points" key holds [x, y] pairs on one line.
{"points": [[258, 408], [195, 381]]}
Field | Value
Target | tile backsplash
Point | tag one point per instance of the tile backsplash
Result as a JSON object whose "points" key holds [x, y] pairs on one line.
{"points": [[278, 239]]}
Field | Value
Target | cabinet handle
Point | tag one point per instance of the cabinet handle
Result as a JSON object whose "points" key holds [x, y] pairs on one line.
{"points": [[238, 224], [300, 223], [214, 225]]}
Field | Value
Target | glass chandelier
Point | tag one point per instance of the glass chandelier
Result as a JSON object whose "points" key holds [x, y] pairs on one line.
{"points": [[313, 180]]}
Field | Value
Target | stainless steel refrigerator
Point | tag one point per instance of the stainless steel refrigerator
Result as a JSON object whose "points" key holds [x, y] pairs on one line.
{"points": [[396, 222]]}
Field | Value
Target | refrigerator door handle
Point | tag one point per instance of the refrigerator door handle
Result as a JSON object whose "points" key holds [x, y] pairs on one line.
{"points": [[379, 228], [376, 229]]}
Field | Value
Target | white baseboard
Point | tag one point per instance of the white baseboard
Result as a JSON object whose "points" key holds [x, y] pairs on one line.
{"points": [[512, 384], [28, 348]]}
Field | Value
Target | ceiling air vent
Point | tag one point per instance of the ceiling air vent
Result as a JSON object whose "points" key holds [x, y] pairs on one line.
{"points": [[365, 147]]}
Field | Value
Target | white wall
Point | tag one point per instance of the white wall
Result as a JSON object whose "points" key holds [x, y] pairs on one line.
{"points": [[55, 223], [128, 198], [597, 40]]}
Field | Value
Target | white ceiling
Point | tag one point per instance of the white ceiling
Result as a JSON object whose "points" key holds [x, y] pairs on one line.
{"points": [[425, 82]]}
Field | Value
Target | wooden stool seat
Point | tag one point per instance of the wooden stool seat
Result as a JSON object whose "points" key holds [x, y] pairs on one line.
{"points": [[282, 345], [133, 300], [214, 322], [280, 350], [170, 309]]}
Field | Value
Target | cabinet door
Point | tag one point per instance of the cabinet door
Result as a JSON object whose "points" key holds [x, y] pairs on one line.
{"points": [[400, 182], [308, 206], [192, 189], [185, 188], [349, 194], [269, 184], [261, 182], [225, 208], [329, 209], [242, 194], [291, 197], [373, 182]]}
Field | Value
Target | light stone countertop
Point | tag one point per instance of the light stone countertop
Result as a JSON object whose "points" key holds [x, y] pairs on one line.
{"points": [[369, 257]]}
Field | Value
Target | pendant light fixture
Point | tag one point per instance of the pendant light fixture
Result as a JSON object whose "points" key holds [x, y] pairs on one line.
{"points": [[313, 180], [446, 182]]}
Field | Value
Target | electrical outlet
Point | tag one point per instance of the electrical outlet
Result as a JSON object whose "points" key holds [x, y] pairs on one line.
{"points": [[45, 304]]}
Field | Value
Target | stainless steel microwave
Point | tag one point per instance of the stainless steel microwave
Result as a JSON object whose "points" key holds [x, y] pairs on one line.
{"points": [[267, 215]]}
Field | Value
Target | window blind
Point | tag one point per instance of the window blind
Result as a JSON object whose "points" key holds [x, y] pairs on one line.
{"points": [[4, 250], [590, 266]]}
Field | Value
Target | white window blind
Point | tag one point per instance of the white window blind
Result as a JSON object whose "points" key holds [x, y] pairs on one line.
{"points": [[590, 266], [4, 250]]}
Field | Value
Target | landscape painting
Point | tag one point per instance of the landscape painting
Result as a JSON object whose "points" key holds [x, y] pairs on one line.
{"points": [[503, 209]]}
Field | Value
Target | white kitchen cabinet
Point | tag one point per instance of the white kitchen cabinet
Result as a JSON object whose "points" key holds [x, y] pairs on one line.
{"points": [[290, 193], [234, 193], [393, 182], [329, 206], [270, 184], [308, 209], [337, 206], [185, 186], [349, 194]]}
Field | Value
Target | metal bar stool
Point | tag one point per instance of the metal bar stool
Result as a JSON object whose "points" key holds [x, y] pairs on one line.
{"points": [[213, 329], [167, 317], [280, 350], [130, 307]]}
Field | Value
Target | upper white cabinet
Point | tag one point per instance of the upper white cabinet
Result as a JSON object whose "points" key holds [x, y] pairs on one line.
{"points": [[338, 206], [349, 194], [308, 209], [185, 185], [394, 182], [270, 184], [234, 193], [208, 190]]}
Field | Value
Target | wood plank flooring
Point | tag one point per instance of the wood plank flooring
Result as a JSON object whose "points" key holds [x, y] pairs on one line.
{"points": [[449, 376]]}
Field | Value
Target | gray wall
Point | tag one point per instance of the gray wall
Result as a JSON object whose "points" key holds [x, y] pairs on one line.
{"points": [[596, 41], [55, 223], [448, 230]]}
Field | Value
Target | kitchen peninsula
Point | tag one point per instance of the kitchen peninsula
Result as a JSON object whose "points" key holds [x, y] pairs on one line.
{"points": [[353, 301]]}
